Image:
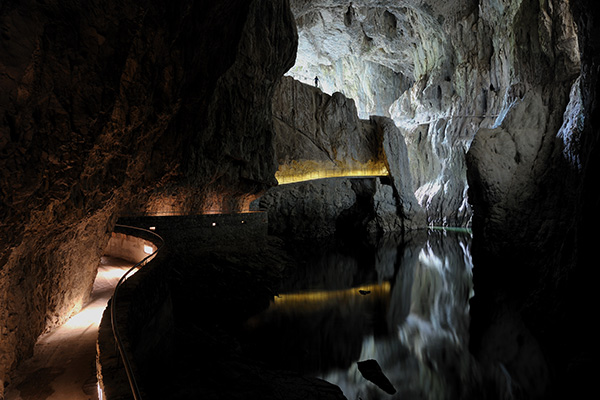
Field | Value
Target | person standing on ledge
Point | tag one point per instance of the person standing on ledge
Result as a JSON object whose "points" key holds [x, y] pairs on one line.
{"points": [[316, 81]]}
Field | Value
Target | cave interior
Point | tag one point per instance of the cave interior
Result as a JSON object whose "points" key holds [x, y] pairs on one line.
{"points": [[377, 126]]}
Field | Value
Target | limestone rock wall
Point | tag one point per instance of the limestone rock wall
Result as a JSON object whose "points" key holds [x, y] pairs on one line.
{"points": [[308, 209], [371, 50], [495, 119], [423, 81], [459, 66], [344, 207], [320, 132], [527, 175], [397, 162], [525, 145], [316, 132], [111, 106]]}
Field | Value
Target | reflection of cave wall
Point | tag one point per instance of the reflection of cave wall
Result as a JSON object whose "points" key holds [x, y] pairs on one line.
{"points": [[414, 321], [112, 106], [312, 337]]}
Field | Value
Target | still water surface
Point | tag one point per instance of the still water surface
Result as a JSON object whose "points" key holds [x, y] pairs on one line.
{"points": [[403, 304]]}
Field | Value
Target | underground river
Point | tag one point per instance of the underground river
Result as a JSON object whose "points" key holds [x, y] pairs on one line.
{"points": [[404, 304]]}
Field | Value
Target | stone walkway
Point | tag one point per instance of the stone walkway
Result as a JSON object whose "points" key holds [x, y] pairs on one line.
{"points": [[64, 362]]}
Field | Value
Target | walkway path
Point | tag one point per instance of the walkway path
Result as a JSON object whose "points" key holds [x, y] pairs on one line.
{"points": [[63, 366]]}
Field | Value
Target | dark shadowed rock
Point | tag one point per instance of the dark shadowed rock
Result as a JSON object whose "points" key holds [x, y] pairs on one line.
{"points": [[371, 371], [114, 106]]}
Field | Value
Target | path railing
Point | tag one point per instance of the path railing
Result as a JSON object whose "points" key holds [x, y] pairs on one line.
{"points": [[113, 309]]}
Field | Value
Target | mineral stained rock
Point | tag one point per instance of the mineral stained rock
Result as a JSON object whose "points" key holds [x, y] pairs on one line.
{"points": [[117, 106]]}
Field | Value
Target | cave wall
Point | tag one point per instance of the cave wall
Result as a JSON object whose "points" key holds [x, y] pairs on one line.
{"points": [[429, 77], [463, 65], [529, 175], [499, 119], [317, 132], [111, 106], [524, 154], [494, 55]]}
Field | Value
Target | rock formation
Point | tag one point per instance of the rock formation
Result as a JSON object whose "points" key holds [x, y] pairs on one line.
{"points": [[417, 62], [530, 177], [111, 106], [318, 133], [498, 80]]}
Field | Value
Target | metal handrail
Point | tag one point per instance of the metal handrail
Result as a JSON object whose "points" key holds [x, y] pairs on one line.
{"points": [[113, 310]]}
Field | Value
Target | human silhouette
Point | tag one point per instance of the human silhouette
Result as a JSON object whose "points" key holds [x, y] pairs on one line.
{"points": [[316, 81]]}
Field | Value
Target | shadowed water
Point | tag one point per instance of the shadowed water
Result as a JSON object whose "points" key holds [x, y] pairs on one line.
{"points": [[402, 304]]}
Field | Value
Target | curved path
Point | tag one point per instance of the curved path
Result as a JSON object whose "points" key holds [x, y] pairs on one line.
{"points": [[64, 362]]}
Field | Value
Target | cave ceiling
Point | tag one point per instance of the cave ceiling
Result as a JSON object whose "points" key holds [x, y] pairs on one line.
{"points": [[406, 36]]}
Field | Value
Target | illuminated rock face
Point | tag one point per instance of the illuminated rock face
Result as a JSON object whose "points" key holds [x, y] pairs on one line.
{"points": [[111, 106], [444, 70], [405, 60], [320, 136]]}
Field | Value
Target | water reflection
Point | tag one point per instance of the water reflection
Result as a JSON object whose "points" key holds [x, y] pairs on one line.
{"points": [[403, 304]]}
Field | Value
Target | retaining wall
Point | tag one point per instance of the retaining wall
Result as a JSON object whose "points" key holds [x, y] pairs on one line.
{"points": [[128, 247], [203, 230], [136, 307], [144, 306]]}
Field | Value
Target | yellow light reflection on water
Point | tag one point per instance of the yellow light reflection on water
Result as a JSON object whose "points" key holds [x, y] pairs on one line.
{"points": [[317, 298]]}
